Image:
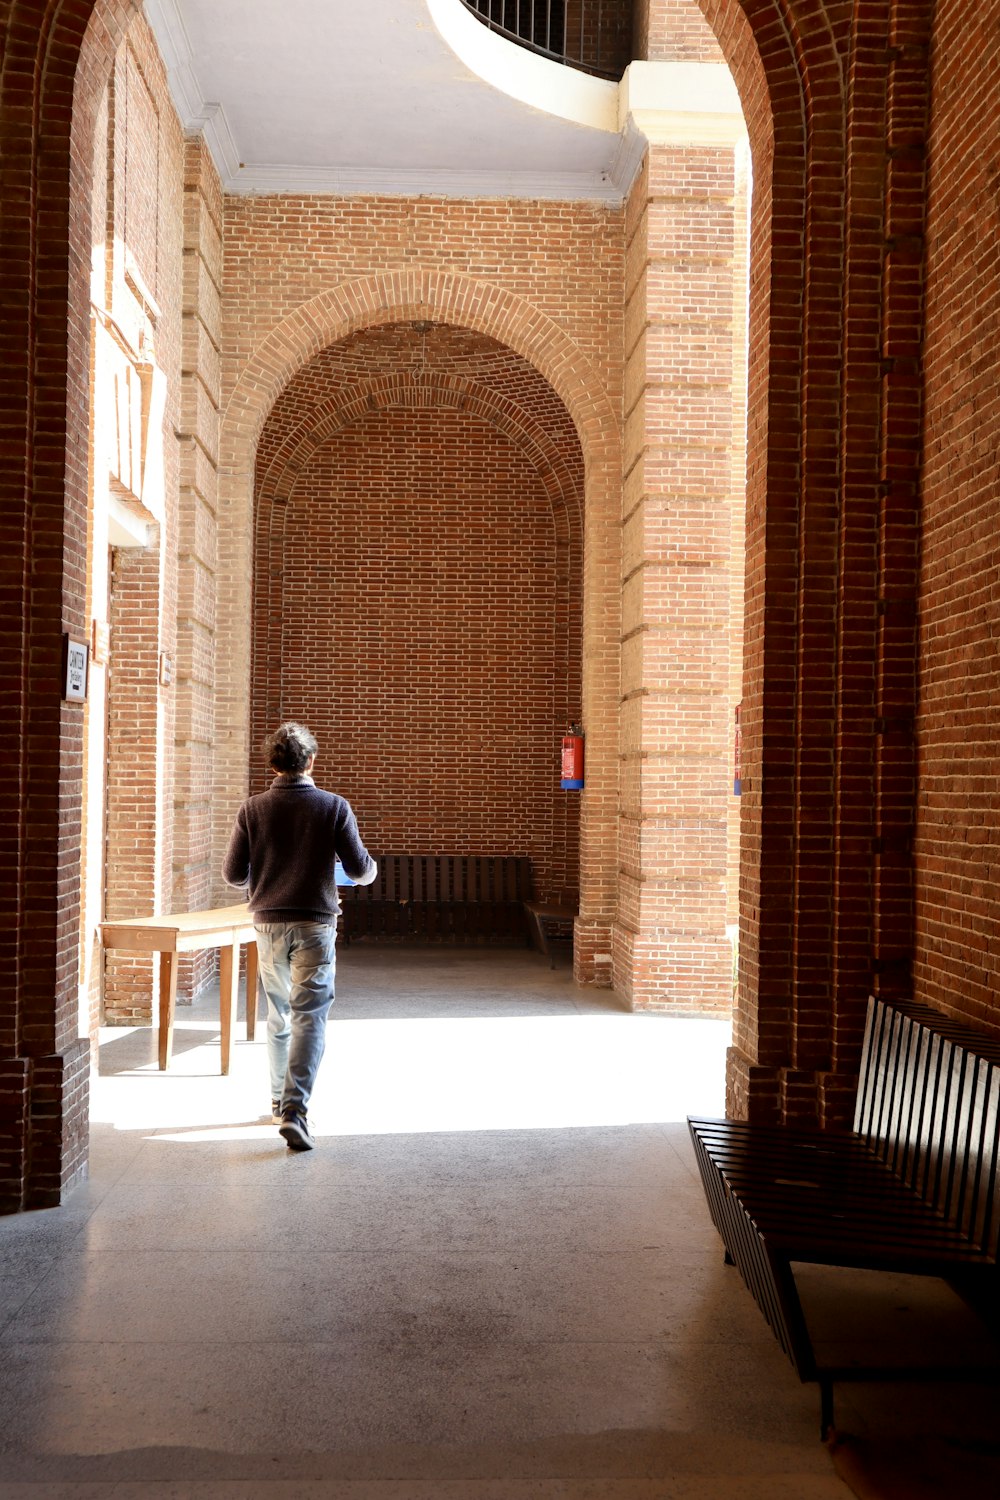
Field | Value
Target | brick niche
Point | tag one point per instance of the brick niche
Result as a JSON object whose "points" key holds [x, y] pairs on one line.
{"points": [[418, 591]]}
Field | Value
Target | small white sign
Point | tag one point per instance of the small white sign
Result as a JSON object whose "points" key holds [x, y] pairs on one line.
{"points": [[76, 658]]}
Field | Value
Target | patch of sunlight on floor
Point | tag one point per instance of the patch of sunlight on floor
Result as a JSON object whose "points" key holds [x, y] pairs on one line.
{"points": [[426, 1074]]}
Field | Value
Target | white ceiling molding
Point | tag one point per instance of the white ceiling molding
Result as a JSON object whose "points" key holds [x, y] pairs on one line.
{"points": [[213, 124], [196, 115], [428, 183], [628, 159]]}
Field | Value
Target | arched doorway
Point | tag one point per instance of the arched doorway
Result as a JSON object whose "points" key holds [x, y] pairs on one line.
{"points": [[418, 591], [547, 356], [828, 793]]}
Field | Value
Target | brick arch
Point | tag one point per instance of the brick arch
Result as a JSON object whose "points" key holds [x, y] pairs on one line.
{"points": [[788, 62], [786, 963], [800, 83], [51, 59], [556, 853], [544, 821], [401, 296], [449, 298], [836, 281]]}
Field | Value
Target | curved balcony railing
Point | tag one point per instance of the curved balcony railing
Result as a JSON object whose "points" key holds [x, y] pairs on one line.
{"points": [[592, 35]]}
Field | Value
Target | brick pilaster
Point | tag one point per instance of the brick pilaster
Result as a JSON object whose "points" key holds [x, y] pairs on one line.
{"points": [[685, 287], [194, 877]]}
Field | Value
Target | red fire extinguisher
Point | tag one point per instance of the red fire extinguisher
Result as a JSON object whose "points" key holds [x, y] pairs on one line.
{"points": [[738, 755], [572, 760]]}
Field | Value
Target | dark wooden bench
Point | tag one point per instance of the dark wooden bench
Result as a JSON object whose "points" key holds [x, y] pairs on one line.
{"points": [[447, 898], [913, 1188]]}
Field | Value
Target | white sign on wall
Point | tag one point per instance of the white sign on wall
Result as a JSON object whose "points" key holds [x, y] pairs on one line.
{"points": [[76, 657]]}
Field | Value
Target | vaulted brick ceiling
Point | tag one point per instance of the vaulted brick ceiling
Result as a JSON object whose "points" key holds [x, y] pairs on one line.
{"points": [[460, 366]]}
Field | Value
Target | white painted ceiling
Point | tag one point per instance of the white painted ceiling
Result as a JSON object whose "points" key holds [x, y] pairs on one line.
{"points": [[365, 95]]}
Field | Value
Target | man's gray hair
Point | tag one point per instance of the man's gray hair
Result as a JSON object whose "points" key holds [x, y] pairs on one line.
{"points": [[289, 748]]}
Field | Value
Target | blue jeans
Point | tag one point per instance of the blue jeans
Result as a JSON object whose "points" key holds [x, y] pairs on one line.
{"points": [[296, 963]]}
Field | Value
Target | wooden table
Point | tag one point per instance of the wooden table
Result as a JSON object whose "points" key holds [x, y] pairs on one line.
{"points": [[563, 911], [225, 928]]}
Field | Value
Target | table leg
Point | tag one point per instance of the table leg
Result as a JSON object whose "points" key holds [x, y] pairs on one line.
{"points": [[543, 938], [251, 989], [168, 1001], [229, 978]]}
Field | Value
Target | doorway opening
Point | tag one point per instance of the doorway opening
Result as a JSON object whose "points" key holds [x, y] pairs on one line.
{"points": [[418, 593]]}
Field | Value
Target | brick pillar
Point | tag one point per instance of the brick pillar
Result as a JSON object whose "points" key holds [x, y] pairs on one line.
{"points": [[684, 463], [193, 874]]}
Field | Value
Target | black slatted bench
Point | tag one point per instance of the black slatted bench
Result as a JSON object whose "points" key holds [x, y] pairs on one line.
{"points": [[446, 898], [913, 1188]]}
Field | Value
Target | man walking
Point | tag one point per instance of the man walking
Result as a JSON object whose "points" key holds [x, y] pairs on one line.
{"points": [[284, 848]]}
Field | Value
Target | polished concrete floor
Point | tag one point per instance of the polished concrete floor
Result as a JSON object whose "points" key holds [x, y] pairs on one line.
{"points": [[494, 1279]]}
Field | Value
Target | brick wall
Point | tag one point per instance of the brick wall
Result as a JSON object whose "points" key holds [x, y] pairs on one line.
{"points": [[674, 31], [418, 591], [544, 281], [958, 839], [96, 607], [155, 217]]}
